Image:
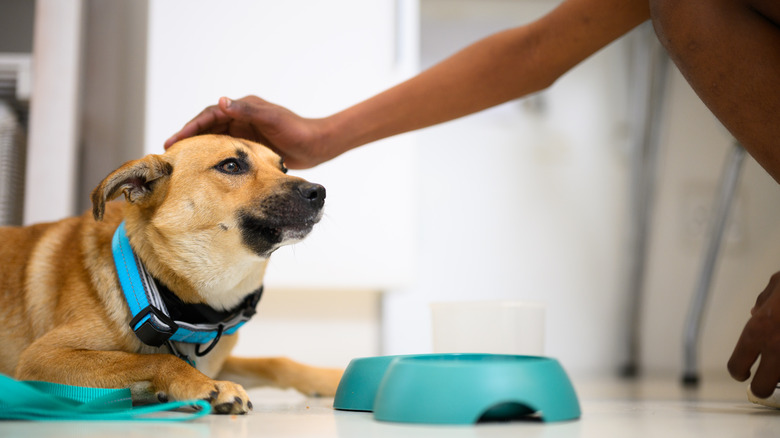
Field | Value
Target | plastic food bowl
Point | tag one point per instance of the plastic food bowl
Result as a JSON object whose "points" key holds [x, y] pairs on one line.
{"points": [[360, 382], [458, 388]]}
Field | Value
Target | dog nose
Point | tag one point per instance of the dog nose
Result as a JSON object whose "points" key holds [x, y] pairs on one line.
{"points": [[313, 193]]}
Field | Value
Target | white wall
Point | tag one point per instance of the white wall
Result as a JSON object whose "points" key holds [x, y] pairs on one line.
{"points": [[315, 58], [525, 201], [532, 205]]}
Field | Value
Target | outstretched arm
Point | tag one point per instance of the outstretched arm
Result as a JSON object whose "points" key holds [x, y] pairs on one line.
{"points": [[499, 68]]}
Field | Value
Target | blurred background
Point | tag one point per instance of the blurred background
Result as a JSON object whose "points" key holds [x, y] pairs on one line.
{"points": [[527, 201]]}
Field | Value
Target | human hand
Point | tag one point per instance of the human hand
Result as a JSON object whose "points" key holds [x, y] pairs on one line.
{"points": [[300, 141], [761, 336]]}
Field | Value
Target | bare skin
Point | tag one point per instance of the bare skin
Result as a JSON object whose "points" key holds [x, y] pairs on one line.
{"points": [[728, 50], [497, 69]]}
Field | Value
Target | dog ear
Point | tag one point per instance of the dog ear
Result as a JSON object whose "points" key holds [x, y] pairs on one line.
{"points": [[136, 179]]}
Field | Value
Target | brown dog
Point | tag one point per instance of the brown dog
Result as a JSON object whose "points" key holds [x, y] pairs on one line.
{"points": [[202, 219]]}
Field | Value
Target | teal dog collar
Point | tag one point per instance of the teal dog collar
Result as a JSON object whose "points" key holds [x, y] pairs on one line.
{"points": [[160, 317]]}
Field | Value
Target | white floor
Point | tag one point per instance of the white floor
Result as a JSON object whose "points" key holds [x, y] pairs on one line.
{"points": [[650, 408]]}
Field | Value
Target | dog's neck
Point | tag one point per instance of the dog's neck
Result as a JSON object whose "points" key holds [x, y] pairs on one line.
{"points": [[159, 315], [219, 280]]}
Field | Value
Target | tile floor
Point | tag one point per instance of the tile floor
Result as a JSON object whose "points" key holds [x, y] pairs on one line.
{"points": [[611, 408]]}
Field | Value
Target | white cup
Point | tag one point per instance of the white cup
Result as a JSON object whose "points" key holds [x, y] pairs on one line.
{"points": [[495, 327]]}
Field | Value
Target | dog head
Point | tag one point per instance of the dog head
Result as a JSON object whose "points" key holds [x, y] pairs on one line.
{"points": [[210, 211]]}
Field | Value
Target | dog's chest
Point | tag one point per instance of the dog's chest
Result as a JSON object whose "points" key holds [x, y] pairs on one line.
{"points": [[209, 364]]}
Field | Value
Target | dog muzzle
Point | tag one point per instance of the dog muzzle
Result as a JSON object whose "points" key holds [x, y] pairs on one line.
{"points": [[160, 317]]}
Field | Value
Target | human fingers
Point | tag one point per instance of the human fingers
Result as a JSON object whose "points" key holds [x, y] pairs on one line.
{"points": [[208, 120], [767, 375], [241, 129], [745, 352], [760, 337], [253, 110], [766, 326], [297, 139]]}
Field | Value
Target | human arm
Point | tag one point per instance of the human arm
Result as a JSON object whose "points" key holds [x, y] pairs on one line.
{"points": [[504, 66], [499, 68]]}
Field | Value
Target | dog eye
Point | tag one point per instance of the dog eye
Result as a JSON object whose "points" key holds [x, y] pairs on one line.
{"points": [[281, 164], [231, 166]]}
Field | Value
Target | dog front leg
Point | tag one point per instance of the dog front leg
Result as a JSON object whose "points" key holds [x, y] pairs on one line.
{"points": [[166, 376], [282, 373]]}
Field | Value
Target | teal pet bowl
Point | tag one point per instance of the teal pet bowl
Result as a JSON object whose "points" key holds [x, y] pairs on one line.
{"points": [[358, 386], [458, 388]]}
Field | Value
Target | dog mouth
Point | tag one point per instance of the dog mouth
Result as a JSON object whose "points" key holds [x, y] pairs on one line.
{"points": [[265, 235], [275, 232]]}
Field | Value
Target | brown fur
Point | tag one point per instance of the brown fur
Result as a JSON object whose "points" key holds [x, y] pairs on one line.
{"points": [[64, 315]]}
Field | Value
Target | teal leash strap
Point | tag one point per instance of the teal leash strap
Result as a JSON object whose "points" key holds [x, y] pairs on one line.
{"points": [[52, 401]]}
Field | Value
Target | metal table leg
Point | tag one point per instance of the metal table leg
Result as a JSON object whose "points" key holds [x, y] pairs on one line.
{"points": [[719, 218], [653, 63]]}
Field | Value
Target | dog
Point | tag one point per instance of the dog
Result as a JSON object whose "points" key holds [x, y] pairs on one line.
{"points": [[198, 225]]}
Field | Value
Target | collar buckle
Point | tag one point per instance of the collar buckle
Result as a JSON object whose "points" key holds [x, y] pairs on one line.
{"points": [[151, 333]]}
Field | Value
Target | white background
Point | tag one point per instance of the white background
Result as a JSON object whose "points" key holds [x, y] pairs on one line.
{"points": [[525, 201]]}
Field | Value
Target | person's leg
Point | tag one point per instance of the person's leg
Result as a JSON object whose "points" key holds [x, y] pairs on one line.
{"points": [[729, 51]]}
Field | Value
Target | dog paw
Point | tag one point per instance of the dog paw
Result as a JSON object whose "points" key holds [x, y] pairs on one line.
{"points": [[319, 382], [229, 398], [225, 397]]}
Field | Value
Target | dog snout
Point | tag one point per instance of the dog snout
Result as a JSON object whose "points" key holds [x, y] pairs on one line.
{"points": [[312, 193]]}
